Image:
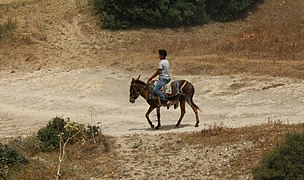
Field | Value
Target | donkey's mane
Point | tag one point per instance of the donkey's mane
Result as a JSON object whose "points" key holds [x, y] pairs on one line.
{"points": [[140, 82]]}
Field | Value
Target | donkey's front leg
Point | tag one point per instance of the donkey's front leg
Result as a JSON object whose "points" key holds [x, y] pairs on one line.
{"points": [[147, 116], [158, 118]]}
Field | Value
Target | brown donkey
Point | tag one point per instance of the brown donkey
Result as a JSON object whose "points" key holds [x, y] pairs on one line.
{"points": [[139, 87]]}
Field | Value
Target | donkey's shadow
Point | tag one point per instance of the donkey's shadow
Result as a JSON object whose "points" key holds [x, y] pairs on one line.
{"points": [[162, 128]]}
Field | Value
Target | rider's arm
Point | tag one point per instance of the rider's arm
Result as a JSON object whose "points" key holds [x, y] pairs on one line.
{"points": [[157, 72]]}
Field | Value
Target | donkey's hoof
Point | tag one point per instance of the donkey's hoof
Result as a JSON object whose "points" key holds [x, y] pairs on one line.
{"points": [[196, 125], [157, 127], [152, 126], [177, 125], [176, 106]]}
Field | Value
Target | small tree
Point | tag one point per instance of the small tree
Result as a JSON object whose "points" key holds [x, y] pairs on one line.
{"points": [[73, 130]]}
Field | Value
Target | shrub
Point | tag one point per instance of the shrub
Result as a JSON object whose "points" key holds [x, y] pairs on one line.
{"points": [[285, 162], [9, 25], [8, 159], [49, 135], [227, 10], [31, 145], [92, 130], [118, 14]]}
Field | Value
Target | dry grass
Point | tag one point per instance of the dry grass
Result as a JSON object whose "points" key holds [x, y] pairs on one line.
{"points": [[232, 153], [264, 137], [82, 161], [269, 41]]}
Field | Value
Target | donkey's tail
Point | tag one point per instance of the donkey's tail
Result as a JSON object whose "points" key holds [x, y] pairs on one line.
{"points": [[190, 97], [191, 100]]}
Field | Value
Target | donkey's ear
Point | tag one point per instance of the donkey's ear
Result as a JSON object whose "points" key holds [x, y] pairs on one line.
{"points": [[138, 77], [133, 79]]}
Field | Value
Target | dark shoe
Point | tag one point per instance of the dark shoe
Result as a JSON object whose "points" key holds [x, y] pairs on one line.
{"points": [[176, 105], [169, 103]]}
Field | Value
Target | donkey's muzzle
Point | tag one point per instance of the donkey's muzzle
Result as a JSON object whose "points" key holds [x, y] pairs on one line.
{"points": [[132, 100]]}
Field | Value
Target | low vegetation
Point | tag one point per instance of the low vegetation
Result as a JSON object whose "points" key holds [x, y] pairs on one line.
{"points": [[269, 157], [286, 161], [9, 159], [74, 144], [281, 154], [7, 26]]}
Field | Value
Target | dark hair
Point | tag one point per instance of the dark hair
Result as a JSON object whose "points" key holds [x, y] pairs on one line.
{"points": [[162, 52]]}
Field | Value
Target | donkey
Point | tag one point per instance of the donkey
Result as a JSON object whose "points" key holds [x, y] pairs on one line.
{"points": [[185, 94]]}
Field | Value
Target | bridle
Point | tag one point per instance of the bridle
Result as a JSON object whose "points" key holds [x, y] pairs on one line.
{"points": [[137, 92]]}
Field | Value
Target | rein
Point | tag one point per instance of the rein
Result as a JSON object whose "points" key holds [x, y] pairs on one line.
{"points": [[142, 90], [139, 92]]}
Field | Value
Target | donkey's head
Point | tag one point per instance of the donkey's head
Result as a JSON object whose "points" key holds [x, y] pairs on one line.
{"points": [[134, 89]]}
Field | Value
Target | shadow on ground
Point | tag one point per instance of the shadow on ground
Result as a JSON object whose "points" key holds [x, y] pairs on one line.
{"points": [[162, 128]]}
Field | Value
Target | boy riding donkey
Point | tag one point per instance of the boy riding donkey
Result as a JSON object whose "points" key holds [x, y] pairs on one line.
{"points": [[163, 70]]}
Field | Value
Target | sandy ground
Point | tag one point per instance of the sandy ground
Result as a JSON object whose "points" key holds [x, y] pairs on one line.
{"points": [[30, 100]]}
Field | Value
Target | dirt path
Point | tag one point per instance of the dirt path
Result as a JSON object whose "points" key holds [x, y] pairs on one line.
{"points": [[29, 100]]}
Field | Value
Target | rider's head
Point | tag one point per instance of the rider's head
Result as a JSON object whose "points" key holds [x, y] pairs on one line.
{"points": [[162, 53]]}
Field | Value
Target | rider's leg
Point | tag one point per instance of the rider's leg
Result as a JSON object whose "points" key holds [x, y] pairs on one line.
{"points": [[158, 91]]}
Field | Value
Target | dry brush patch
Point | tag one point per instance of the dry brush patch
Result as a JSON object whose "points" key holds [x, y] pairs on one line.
{"points": [[83, 160], [262, 139], [216, 152]]}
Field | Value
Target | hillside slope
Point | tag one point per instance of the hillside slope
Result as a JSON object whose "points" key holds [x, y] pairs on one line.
{"points": [[59, 33]]}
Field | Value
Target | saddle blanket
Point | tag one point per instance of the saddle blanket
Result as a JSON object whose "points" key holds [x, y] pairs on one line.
{"points": [[171, 88]]}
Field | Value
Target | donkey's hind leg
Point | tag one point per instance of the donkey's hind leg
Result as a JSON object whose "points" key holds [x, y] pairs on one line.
{"points": [[183, 111], [194, 108]]}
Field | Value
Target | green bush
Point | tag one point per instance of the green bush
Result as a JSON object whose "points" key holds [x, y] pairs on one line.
{"points": [[117, 14], [49, 135], [227, 10], [285, 162], [8, 159]]}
